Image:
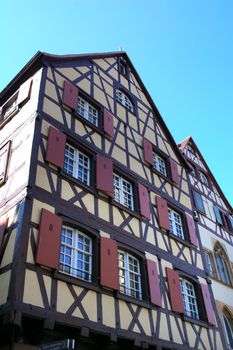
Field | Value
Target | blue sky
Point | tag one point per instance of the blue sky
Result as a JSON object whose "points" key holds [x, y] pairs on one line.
{"points": [[182, 49]]}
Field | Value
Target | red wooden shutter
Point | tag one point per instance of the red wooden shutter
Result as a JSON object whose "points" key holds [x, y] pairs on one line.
{"points": [[70, 95], [104, 174], [174, 172], [162, 213], [144, 201], [48, 245], [174, 291], [24, 91], [208, 304], [55, 152], [148, 151], [191, 230], [3, 222], [154, 287], [108, 123], [108, 263]]}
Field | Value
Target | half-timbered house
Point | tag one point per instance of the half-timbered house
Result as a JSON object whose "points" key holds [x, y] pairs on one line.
{"points": [[98, 242], [215, 224]]}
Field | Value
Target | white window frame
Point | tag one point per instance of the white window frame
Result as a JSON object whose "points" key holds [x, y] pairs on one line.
{"points": [[77, 164], [88, 111], [159, 164], [189, 298], [129, 275], [203, 178], [123, 192], [72, 254], [175, 223], [124, 100]]}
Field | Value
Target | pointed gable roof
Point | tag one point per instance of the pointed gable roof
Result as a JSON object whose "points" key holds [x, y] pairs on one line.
{"points": [[189, 141], [43, 59]]}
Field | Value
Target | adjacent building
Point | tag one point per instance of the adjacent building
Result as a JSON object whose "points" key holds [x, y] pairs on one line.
{"points": [[215, 225], [98, 238]]}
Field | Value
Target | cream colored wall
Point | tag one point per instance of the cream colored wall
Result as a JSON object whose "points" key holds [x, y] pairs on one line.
{"points": [[209, 239], [222, 293], [20, 130]]}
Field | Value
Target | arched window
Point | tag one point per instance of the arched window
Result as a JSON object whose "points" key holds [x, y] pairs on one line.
{"points": [[228, 328], [222, 263], [124, 100]]}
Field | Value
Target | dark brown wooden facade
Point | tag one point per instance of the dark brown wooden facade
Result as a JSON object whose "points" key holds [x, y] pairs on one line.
{"points": [[132, 185]]}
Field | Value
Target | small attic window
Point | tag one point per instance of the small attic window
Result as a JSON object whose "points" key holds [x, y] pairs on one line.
{"points": [[124, 100], [9, 108], [123, 67]]}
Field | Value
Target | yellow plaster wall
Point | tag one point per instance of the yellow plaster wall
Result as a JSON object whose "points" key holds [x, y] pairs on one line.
{"points": [[36, 210], [163, 328], [108, 310], [32, 294]]}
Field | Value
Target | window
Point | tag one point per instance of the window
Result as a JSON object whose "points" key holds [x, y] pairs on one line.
{"points": [[231, 222], [87, 111], [189, 298], [203, 178], [192, 172], [76, 254], [9, 108], [175, 223], [4, 162], [198, 201], [123, 68], [124, 100], [209, 263], [123, 191], [217, 215], [129, 275], [77, 164], [159, 164], [228, 329], [222, 264], [226, 221]]}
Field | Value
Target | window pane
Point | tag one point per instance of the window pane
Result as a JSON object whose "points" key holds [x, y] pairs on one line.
{"points": [[87, 111], [77, 164], [159, 164], [175, 223], [76, 254], [189, 299], [129, 275], [123, 191], [228, 331], [198, 201], [124, 100], [217, 215]]}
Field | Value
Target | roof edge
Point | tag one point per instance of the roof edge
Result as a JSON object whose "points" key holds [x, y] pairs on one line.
{"points": [[190, 140]]}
